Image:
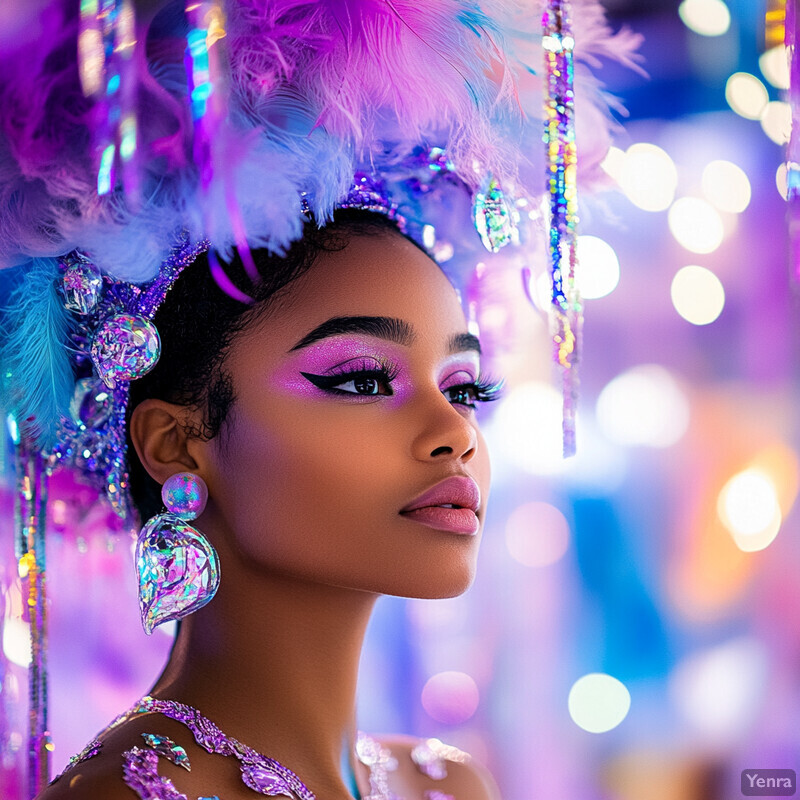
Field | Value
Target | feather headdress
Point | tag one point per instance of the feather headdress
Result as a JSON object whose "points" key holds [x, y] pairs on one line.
{"points": [[283, 98], [311, 90]]}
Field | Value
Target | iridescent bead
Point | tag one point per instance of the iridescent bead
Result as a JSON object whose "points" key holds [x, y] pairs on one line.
{"points": [[81, 286], [166, 747], [185, 495], [91, 404], [494, 220], [125, 347]]}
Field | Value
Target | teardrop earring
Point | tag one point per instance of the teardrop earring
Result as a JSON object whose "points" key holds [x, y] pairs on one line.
{"points": [[178, 567]]}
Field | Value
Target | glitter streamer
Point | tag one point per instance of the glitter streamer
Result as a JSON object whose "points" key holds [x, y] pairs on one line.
{"points": [[30, 513], [106, 66], [781, 25], [559, 138], [205, 73]]}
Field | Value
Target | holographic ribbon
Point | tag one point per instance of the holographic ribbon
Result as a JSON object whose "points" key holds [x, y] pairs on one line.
{"points": [[106, 44], [559, 138], [205, 75], [781, 26], [30, 518]]}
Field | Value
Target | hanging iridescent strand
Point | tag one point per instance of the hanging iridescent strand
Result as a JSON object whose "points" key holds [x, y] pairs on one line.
{"points": [[206, 76], [781, 28], [30, 513], [106, 62], [559, 139]]}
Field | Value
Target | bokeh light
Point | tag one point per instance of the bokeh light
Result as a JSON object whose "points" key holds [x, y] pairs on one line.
{"points": [[648, 177], [697, 294], [526, 429], [597, 273], [781, 180], [706, 17], [613, 162], [776, 120], [748, 507], [643, 406], [17, 641], [696, 225], [774, 65], [746, 95], [598, 702], [718, 690], [537, 534], [450, 697], [726, 186]]}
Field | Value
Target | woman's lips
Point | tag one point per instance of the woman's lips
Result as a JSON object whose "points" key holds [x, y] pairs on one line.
{"points": [[455, 520], [450, 505]]}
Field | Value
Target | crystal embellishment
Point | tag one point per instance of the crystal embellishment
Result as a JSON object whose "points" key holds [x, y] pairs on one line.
{"points": [[380, 762], [81, 285], [140, 772], [430, 756], [260, 773], [178, 570], [261, 778], [92, 403], [428, 761], [494, 220], [125, 347], [165, 747], [369, 193]]}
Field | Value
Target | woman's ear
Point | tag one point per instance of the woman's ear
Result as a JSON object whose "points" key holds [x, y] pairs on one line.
{"points": [[159, 432]]}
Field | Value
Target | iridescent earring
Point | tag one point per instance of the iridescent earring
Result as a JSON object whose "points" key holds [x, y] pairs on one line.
{"points": [[178, 567]]}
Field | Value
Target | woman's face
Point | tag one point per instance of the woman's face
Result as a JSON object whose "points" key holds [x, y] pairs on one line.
{"points": [[354, 399]]}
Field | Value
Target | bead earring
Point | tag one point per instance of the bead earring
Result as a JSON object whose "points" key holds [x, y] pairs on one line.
{"points": [[178, 567]]}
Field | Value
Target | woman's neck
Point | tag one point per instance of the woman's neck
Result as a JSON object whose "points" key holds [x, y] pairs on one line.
{"points": [[274, 662]]}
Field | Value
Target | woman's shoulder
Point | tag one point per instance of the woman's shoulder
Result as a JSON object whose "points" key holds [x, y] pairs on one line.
{"points": [[150, 755], [139, 754], [437, 771]]}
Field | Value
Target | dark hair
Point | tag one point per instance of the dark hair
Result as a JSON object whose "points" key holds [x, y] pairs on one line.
{"points": [[197, 323]]}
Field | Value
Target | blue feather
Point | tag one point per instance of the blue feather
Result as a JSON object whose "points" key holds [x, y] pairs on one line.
{"points": [[34, 353]]}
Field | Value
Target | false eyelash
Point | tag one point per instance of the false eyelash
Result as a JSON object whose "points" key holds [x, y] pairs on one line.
{"points": [[366, 366], [484, 389], [487, 389]]}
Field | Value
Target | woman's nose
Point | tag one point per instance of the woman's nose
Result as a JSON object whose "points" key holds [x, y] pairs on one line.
{"points": [[446, 432]]}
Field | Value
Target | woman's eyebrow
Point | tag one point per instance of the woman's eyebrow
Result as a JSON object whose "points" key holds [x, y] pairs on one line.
{"points": [[389, 328], [464, 341]]}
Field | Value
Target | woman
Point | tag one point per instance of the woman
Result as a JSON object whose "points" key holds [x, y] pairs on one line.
{"points": [[322, 387], [345, 462]]}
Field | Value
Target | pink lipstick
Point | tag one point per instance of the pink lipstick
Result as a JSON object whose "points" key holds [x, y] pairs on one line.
{"points": [[450, 505]]}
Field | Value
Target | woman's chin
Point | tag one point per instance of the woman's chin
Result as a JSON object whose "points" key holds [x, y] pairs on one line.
{"points": [[435, 587]]}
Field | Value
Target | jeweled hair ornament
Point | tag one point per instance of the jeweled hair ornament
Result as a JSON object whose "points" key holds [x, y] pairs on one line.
{"points": [[136, 135]]}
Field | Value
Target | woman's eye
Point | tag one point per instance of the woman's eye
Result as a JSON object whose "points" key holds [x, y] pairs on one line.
{"points": [[367, 383], [469, 395], [360, 386], [461, 395]]}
